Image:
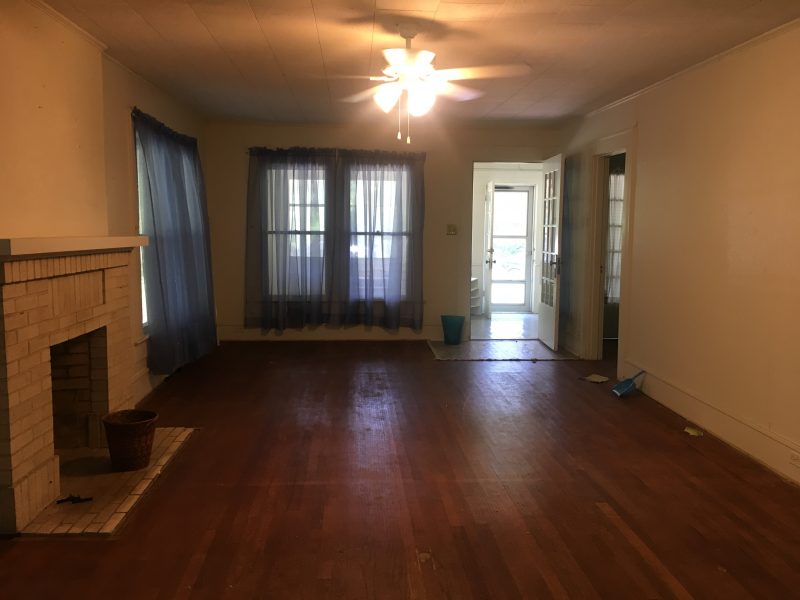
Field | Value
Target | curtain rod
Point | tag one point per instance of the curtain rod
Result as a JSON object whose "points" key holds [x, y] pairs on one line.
{"points": [[380, 154], [137, 113]]}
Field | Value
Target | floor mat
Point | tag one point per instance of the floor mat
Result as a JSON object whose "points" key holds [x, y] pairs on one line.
{"points": [[529, 350]]}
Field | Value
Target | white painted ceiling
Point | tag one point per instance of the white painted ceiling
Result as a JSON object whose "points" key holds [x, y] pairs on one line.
{"points": [[289, 60]]}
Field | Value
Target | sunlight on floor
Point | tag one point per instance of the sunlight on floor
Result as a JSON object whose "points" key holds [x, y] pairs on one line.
{"points": [[505, 326]]}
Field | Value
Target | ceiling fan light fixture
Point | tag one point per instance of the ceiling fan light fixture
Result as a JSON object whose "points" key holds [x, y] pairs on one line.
{"points": [[399, 57], [387, 96], [411, 72], [423, 61], [395, 56], [421, 99]]}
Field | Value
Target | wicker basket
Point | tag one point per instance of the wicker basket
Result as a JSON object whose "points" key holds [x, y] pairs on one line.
{"points": [[130, 438]]}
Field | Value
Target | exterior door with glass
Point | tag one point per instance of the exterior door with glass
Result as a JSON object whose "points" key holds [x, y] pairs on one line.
{"points": [[488, 251], [510, 249]]}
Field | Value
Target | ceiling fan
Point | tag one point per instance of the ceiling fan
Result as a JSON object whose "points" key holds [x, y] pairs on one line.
{"points": [[411, 76]]}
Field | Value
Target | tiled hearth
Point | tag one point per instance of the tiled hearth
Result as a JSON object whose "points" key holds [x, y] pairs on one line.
{"points": [[87, 473], [66, 358]]}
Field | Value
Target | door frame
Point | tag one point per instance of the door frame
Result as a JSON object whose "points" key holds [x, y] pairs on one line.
{"points": [[521, 165], [619, 143]]}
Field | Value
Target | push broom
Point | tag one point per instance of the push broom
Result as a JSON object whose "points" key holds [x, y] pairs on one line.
{"points": [[626, 386]]}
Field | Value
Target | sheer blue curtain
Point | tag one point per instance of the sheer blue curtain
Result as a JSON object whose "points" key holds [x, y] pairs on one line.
{"points": [[334, 237], [176, 263], [288, 256], [383, 198]]}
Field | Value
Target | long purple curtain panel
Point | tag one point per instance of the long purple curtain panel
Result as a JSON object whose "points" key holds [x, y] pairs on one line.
{"points": [[177, 262]]}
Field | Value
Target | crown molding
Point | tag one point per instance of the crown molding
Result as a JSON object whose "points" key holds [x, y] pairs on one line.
{"points": [[57, 16], [717, 57]]}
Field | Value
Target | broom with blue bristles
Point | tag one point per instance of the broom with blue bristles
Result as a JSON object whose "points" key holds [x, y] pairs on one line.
{"points": [[626, 386]]}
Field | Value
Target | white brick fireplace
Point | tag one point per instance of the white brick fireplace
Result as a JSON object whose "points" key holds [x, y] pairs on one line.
{"points": [[66, 319]]}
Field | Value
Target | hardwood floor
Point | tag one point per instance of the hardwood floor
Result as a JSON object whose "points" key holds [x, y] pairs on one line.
{"points": [[370, 470]]}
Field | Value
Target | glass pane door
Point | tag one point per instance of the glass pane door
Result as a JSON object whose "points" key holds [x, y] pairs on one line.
{"points": [[511, 250], [549, 240]]}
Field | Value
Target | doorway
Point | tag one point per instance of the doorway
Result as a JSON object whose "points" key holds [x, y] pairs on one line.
{"points": [[505, 270], [612, 264], [612, 194]]}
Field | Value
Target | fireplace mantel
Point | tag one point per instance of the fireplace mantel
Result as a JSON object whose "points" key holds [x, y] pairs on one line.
{"points": [[13, 247]]}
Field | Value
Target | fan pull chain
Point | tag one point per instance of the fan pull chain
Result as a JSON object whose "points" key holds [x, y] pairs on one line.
{"points": [[408, 124], [399, 112]]}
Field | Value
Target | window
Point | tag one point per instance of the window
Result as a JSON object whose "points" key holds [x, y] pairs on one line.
{"points": [[307, 217], [334, 237], [299, 230], [380, 230], [616, 194], [142, 186]]}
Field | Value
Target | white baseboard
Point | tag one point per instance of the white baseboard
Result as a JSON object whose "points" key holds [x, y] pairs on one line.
{"points": [[358, 333], [763, 446]]}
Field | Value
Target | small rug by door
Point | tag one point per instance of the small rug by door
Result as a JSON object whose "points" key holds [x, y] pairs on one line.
{"points": [[528, 350]]}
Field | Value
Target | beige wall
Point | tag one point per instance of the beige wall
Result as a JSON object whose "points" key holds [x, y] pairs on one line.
{"points": [[66, 151], [711, 306], [67, 162], [52, 161], [450, 150], [122, 90]]}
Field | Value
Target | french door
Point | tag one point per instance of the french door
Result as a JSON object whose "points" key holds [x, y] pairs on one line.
{"points": [[550, 284]]}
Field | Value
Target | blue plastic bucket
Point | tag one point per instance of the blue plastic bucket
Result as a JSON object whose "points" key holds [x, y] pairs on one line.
{"points": [[452, 326]]}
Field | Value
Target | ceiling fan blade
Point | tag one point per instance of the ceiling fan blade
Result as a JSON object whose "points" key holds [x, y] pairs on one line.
{"points": [[458, 92], [342, 77], [361, 96], [485, 72], [400, 57]]}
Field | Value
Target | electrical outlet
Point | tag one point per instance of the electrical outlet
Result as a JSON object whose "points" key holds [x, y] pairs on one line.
{"points": [[794, 458]]}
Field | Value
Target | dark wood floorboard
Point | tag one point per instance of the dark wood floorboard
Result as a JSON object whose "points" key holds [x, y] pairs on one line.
{"points": [[370, 470]]}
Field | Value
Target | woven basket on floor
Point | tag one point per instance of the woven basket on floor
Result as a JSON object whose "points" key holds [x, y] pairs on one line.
{"points": [[130, 438]]}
